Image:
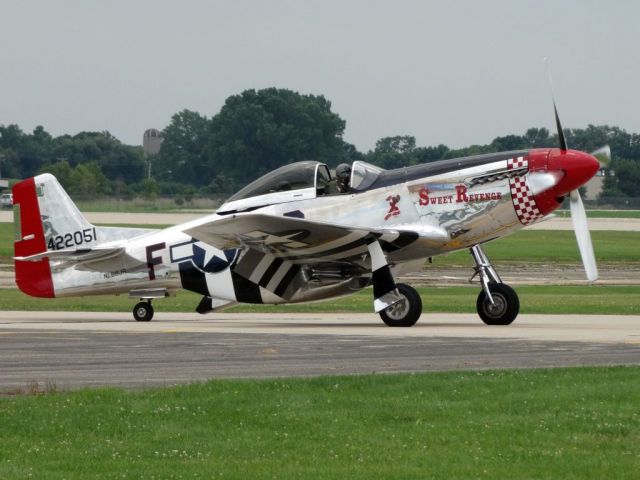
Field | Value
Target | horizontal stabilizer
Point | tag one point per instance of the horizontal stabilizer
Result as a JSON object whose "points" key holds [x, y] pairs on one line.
{"points": [[74, 255], [98, 259]]}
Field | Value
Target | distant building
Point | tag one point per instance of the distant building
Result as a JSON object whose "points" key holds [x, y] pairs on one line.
{"points": [[151, 141], [595, 186]]}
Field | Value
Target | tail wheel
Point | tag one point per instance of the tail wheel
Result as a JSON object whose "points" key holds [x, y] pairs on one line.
{"points": [[407, 311], [505, 307], [143, 312]]}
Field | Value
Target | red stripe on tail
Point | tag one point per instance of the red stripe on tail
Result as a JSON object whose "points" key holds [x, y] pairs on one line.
{"points": [[33, 278]]}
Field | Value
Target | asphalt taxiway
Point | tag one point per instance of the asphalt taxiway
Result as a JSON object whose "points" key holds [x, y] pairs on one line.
{"points": [[75, 349]]}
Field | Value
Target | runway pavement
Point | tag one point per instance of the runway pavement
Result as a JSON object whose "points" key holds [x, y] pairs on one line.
{"points": [[73, 349]]}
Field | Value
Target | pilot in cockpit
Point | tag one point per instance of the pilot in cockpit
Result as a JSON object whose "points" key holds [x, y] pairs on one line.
{"points": [[340, 184]]}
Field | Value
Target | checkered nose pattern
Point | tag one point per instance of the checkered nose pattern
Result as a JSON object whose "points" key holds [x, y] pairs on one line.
{"points": [[523, 202], [517, 163]]}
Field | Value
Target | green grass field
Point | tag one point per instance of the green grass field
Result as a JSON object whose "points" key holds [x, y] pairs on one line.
{"points": [[545, 246], [543, 424], [6, 242], [547, 299]]}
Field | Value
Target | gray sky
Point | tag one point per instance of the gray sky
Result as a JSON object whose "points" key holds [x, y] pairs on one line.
{"points": [[452, 72]]}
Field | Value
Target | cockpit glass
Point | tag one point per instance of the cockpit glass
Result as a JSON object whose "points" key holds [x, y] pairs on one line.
{"points": [[323, 179], [295, 176], [363, 175]]}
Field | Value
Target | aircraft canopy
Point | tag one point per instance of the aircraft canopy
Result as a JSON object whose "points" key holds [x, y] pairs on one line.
{"points": [[297, 181]]}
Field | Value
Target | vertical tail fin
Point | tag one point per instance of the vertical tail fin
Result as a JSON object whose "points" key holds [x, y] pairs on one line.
{"points": [[45, 218]]}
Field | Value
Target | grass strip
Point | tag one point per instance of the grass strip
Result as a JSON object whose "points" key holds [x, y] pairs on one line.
{"points": [[560, 423], [545, 299], [546, 246], [603, 213]]}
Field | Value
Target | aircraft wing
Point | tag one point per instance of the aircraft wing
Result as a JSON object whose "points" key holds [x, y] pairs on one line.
{"points": [[303, 241]]}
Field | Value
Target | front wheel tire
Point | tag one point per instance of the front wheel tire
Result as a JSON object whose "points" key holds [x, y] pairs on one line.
{"points": [[505, 308], [407, 311], [143, 312]]}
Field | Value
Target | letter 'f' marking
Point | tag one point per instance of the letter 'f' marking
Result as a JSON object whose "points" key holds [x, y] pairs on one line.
{"points": [[152, 261]]}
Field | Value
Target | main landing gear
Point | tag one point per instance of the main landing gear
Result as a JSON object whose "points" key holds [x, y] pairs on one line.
{"points": [[497, 303], [143, 311], [407, 311]]}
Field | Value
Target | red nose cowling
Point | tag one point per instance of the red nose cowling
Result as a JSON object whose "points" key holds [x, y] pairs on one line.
{"points": [[578, 168]]}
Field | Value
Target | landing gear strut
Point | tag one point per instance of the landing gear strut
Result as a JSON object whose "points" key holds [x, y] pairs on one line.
{"points": [[143, 311], [497, 303]]}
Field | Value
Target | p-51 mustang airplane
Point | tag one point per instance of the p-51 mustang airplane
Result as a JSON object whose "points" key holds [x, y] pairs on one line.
{"points": [[287, 238]]}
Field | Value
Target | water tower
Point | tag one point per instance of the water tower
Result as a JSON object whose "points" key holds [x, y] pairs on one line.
{"points": [[151, 141]]}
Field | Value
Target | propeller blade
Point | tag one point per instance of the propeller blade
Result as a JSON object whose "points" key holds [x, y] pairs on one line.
{"points": [[563, 141], [561, 137], [603, 154], [579, 219]]}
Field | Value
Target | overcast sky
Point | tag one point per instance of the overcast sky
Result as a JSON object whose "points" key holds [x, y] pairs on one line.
{"points": [[452, 72]]}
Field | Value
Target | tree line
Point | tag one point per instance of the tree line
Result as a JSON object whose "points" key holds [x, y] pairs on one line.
{"points": [[255, 132], [89, 163]]}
